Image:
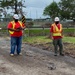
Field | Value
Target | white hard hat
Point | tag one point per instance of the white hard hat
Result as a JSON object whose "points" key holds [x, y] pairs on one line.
{"points": [[56, 19], [16, 16]]}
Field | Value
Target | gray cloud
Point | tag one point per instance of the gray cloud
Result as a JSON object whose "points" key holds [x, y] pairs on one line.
{"points": [[34, 8]]}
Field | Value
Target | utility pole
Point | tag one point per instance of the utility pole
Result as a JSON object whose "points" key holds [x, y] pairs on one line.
{"points": [[16, 12], [30, 13], [36, 14]]}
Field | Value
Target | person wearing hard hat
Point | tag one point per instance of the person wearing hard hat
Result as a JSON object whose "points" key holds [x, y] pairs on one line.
{"points": [[56, 36], [15, 29]]}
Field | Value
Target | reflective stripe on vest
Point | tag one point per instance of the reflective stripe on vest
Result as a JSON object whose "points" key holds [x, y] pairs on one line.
{"points": [[56, 31], [13, 23], [57, 34]]}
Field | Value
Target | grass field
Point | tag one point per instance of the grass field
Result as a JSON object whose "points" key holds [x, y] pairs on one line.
{"points": [[37, 31], [40, 31], [44, 39], [37, 39]]}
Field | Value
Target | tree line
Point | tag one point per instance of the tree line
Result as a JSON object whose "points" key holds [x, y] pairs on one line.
{"points": [[65, 9]]}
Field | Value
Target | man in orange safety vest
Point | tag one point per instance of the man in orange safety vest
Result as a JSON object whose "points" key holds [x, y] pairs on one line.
{"points": [[56, 36], [15, 29]]}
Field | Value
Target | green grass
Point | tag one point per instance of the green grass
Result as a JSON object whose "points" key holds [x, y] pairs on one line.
{"points": [[38, 39], [47, 31], [37, 31], [69, 30], [69, 39], [43, 39]]}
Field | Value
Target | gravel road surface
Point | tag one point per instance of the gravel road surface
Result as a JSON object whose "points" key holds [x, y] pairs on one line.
{"points": [[34, 61]]}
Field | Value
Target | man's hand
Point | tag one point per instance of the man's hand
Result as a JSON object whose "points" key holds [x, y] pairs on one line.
{"points": [[52, 37], [17, 30], [62, 36]]}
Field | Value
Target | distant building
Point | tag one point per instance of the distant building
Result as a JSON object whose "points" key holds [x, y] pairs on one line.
{"points": [[43, 19]]}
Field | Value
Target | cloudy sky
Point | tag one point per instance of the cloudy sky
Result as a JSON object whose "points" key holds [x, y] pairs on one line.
{"points": [[34, 8]]}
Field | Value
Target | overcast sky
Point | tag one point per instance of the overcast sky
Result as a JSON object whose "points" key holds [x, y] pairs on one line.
{"points": [[34, 8]]}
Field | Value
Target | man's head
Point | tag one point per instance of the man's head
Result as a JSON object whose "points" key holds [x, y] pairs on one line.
{"points": [[16, 17], [56, 20]]}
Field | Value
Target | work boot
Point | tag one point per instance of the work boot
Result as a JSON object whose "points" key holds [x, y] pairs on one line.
{"points": [[61, 54], [55, 54]]}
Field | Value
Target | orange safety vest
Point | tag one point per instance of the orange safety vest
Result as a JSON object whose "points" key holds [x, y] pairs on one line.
{"points": [[13, 23], [56, 31]]}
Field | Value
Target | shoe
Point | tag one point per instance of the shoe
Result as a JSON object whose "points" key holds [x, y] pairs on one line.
{"points": [[11, 54], [62, 54], [20, 53]]}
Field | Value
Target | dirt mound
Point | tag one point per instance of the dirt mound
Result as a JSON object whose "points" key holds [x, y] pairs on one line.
{"points": [[69, 48]]}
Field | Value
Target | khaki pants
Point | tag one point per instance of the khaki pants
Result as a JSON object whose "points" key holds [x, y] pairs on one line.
{"points": [[58, 45]]}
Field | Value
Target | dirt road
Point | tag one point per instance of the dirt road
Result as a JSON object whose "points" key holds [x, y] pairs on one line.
{"points": [[34, 61]]}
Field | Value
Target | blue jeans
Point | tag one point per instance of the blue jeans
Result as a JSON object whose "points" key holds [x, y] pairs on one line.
{"points": [[16, 43]]}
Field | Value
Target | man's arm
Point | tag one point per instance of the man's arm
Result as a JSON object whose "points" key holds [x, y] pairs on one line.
{"points": [[62, 31], [23, 26], [13, 29], [51, 32], [51, 35]]}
